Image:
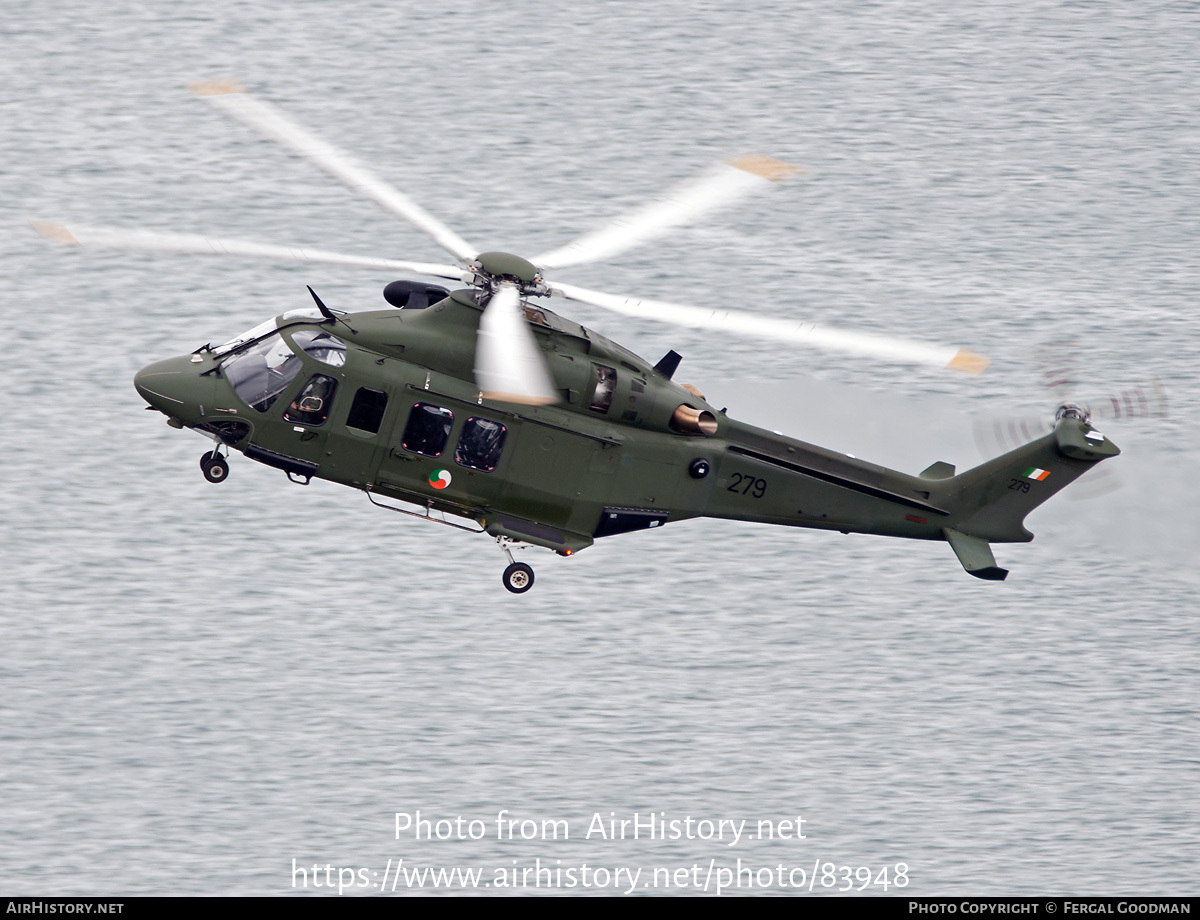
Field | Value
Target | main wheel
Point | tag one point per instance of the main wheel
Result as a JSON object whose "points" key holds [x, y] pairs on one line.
{"points": [[518, 578], [214, 467]]}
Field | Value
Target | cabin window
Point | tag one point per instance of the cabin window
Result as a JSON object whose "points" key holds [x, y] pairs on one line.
{"points": [[606, 385], [311, 405], [480, 444], [366, 412], [428, 429], [260, 372], [324, 347]]}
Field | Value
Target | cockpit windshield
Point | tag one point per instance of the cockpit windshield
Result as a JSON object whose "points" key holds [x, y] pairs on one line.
{"points": [[261, 329], [260, 372], [268, 326]]}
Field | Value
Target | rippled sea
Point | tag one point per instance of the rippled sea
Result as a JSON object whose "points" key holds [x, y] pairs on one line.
{"points": [[200, 684]]}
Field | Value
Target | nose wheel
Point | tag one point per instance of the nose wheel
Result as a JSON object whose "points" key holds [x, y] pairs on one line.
{"points": [[214, 467], [518, 577]]}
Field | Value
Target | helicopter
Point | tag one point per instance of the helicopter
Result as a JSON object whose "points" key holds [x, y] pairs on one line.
{"points": [[489, 412]]}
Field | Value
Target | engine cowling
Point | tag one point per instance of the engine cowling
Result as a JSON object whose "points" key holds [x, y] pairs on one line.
{"points": [[413, 295]]}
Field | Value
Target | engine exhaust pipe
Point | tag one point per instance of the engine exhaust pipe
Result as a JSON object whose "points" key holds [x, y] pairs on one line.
{"points": [[696, 421]]}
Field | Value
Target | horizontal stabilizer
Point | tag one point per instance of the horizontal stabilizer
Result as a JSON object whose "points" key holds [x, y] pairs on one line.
{"points": [[975, 555], [938, 470]]}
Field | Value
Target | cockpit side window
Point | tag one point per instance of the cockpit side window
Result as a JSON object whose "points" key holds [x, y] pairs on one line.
{"points": [[428, 429], [480, 444], [260, 372], [311, 405], [324, 347], [606, 385]]}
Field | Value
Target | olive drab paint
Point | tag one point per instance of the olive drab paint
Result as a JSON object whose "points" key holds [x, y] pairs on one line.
{"points": [[385, 402]]}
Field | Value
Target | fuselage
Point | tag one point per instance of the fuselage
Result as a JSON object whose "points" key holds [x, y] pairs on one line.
{"points": [[385, 402]]}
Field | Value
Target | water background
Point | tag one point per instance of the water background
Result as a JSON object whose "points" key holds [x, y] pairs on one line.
{"points": [[199, 684]]}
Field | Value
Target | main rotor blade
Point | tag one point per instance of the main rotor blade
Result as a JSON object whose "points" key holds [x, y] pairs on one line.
{"points": [[263, 117], [769, 327], [508, 363], [158, 241], [720, 186]]}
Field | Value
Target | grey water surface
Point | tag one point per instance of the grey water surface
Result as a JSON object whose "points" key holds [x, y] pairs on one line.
{"points": [[200, 684]]}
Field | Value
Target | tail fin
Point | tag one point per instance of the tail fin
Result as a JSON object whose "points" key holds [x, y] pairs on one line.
{"points": [[990, 502]]}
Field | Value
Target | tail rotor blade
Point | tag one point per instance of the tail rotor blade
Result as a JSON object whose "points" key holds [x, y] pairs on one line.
{"points": [[1058, 366], [1098, 481], [1143, 401], [267, 120], [1000, 435], [772, 328], [721, 186], [508, 362]]}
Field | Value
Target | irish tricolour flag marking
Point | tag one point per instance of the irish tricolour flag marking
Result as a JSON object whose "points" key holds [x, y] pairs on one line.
{"points": [[1034, 473], [439, 479]]}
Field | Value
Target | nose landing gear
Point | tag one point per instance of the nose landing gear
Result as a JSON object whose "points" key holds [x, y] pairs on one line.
{"points": [[518, 577], [214, 467]]}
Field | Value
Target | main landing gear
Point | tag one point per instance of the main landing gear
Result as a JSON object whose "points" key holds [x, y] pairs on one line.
{"points": [[518, 577], [214, 467]]}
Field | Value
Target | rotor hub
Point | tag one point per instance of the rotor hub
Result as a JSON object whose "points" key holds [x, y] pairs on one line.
{"points": [[1071, 410], [489, 270], [504, 266]]}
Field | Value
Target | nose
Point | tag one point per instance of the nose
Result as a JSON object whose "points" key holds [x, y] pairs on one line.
{"points": [[174, 387]]}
